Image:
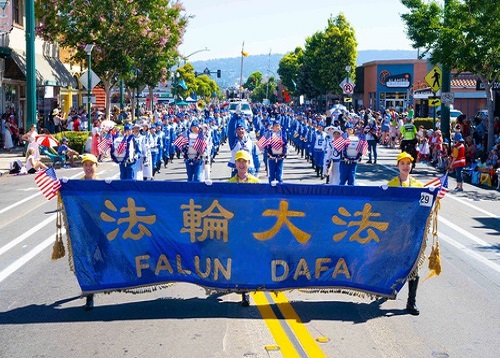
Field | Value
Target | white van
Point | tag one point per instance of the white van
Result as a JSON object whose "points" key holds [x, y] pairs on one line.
{"points": [[242, 105]]}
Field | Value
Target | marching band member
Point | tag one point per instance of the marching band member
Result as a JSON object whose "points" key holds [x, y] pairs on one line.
{"points": [[276, 147], [353, 150], [123, 152], [331, 166], [242, 141]]}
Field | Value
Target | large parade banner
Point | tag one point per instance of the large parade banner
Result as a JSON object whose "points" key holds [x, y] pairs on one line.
{"points": [[131, 234]]}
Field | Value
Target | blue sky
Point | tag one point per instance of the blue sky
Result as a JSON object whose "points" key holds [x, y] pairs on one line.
{"points": [[281, 25]]}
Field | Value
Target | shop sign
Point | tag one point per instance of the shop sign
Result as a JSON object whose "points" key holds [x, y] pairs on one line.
{"points": [[402, 80]]}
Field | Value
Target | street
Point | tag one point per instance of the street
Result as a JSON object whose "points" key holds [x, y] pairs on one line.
{"points": [[41, 312]]}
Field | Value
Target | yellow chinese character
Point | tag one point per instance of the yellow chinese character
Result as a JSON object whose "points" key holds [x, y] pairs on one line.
{"points": [[132, 219], [282, 214], [364, 224], [214, 221]]}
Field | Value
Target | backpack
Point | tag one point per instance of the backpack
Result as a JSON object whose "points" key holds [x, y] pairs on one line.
{"points": [[15, 167]]}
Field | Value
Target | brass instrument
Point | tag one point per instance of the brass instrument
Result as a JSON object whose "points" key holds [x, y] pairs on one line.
{"points": [[200, 105]]}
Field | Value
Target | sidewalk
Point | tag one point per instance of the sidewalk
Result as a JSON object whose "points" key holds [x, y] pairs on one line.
{"points": [[6, 158]]}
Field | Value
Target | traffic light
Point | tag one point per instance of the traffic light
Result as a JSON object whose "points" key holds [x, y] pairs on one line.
{"points": [[218, 73]]}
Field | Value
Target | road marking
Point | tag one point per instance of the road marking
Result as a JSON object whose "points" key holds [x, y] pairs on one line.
{"points": [[289, 332], [466, 234], [27, 234], [16, 265], [470, 252], [4, 210]]}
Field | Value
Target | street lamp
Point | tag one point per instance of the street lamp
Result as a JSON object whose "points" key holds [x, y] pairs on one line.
{"points": [[88, 50], [194, 53], [175, 80]]}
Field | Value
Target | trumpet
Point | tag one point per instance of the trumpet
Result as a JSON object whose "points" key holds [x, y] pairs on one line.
{"points": [[200, 105]]}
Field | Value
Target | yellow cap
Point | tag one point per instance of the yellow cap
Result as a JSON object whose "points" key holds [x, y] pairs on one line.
{"points": [[404, 155], [241, 154], [90, 158]]}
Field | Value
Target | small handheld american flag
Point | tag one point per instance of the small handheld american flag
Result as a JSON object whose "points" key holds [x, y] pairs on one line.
{"points": [[362, 146], [441, 183], [48, 183], [339, 143], [262, 142], [122, 146], [276, 142], [104, 145], [200, 144], [180, 142]]}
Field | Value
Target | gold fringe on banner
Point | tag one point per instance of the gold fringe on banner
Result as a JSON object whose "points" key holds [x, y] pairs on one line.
{"points": [[435, 256], [58, 248]]}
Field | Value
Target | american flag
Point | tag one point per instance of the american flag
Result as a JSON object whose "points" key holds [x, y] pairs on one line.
{"points": [[122, 146], [441, 183], [339, 143], [180, 142], [276, 142], [362, 146], [104, 145], [262, 142], [200, 144], [48, 183]]}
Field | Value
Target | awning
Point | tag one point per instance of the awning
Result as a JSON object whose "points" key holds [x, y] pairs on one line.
{"points": [[50, 71]]}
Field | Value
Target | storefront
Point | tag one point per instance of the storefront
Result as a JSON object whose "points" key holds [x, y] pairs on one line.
{"points": [[53, 85], [388, 83]]}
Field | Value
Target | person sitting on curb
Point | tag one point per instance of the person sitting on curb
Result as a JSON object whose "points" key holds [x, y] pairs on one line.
{"points": [[65, 150], [33, 164]]}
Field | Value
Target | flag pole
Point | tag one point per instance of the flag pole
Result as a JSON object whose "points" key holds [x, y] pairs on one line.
{"points": [[241, 70]]}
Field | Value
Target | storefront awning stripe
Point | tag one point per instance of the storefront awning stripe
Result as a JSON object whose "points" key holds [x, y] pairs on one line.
{"points": [[49, 70]]}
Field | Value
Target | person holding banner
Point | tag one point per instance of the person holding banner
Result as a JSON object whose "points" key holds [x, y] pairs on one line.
{"points": [[242, 162], [405, 180], [89, 164]]}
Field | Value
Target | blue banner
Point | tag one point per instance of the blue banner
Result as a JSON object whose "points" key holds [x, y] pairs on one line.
{"points": [[129, 234]]}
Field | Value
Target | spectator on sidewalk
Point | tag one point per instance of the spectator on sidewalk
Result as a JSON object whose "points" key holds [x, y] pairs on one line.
{"points": [[33, 164], [65, 150]]}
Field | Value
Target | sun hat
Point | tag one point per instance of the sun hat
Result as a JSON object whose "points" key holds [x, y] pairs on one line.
{"points": [[89, 158], [241, 154], [404, 155]]}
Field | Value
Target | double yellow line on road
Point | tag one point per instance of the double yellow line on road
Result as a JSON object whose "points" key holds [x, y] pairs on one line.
{"points": [[292, 337]]}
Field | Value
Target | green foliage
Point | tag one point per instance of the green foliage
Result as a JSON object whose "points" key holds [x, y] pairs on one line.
{"points": [[128, 35], [76, 139], [320, 67], [464, 36], [253, 81]]}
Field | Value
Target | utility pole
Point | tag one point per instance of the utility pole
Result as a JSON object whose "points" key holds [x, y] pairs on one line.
{"points": [[445, 80]]}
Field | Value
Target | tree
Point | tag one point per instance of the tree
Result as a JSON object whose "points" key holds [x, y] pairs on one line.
{"points": [[463, 35], [289, 69], [327, 54], [128, 36], [253, 81]]}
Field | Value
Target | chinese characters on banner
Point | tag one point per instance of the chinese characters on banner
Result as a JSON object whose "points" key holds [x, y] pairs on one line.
{"points": [[134, 234]]}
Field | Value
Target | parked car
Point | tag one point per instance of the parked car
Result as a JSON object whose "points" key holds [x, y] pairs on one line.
{"points": [[482, 114], [242, 105]]}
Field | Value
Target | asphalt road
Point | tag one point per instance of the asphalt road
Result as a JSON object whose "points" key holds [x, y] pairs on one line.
{"points": [[41, 311]]}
